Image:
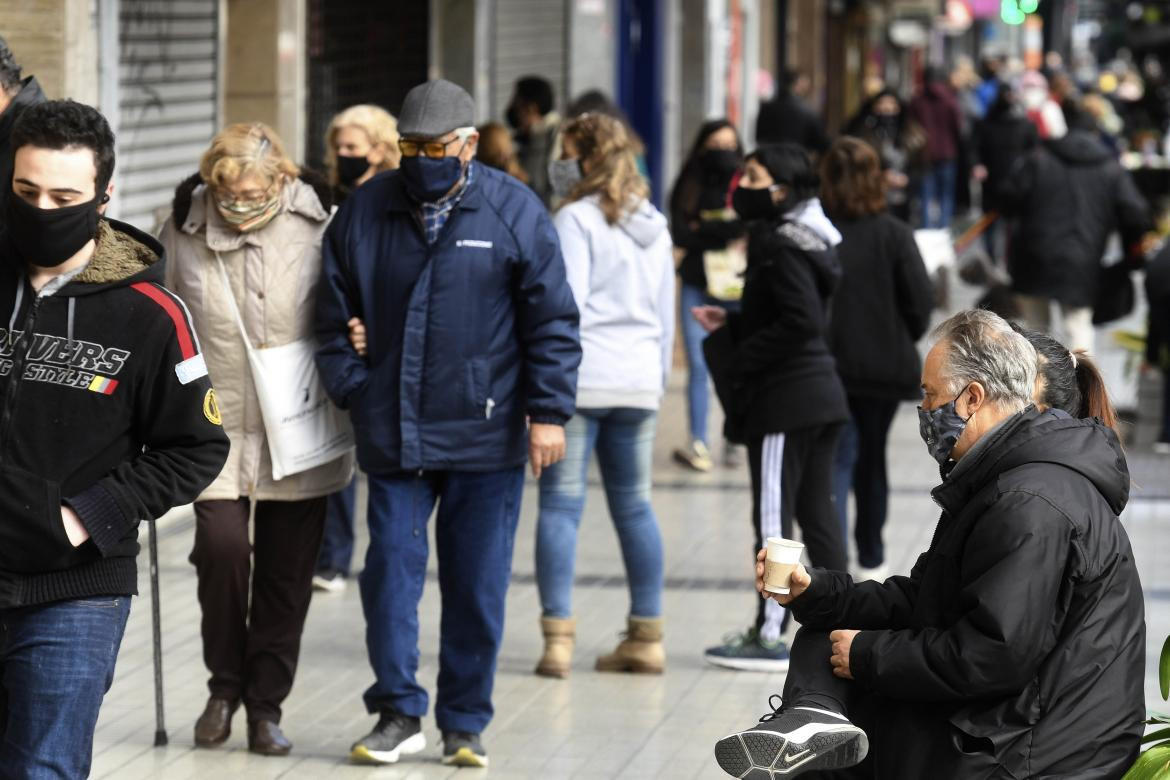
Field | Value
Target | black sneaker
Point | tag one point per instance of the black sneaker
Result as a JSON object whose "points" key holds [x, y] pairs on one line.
{"points": [[396, 735], [792, 740], [463, 749]]}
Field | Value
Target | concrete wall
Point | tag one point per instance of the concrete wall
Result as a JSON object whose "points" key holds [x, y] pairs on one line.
{"points": [[264, 67], [56, 41]]}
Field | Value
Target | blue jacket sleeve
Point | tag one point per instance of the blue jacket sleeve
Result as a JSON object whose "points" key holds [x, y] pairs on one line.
{"points": [[342, 370], [547, 321]]}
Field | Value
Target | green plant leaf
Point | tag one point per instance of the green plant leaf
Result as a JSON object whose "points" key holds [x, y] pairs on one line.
{"points": [[1156, 735], [1158, 717], [1154, 764], [1164, 670]]}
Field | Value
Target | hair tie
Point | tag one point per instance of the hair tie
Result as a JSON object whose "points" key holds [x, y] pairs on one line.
{"points": [[1074, 359]]}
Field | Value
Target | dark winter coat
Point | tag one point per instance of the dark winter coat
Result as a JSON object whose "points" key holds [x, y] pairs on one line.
{"points": [[771, 362], [695, 197], [1158, 297], [105, 406], [1069, 194], [786, 119], [881, 308], [937, 111], [1016, 647], [30, 94], [1001, 139], [467, 337]]}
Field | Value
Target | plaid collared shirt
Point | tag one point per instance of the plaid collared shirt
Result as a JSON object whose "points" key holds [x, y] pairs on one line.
{"points": [[434, 215]]}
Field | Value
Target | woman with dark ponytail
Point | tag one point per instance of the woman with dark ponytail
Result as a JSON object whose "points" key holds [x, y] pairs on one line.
{"points": [[1069, 381]]}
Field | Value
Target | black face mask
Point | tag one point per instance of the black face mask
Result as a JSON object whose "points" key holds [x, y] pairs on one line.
{"points": [[48, 237], [512, 115], [754, 204], [350, 169], [720, 164]]}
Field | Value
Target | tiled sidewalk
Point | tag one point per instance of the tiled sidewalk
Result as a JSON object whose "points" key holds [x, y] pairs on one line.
{"points": [[590, 726]]}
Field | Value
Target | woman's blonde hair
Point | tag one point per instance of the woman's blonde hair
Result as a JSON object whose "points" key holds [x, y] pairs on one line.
{"points": [[378, 125], [611, 151], [245, 148]]}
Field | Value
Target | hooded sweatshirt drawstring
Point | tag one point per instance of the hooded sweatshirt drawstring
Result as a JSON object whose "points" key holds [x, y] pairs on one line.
{"points": [[16, 306], [69, 326]]}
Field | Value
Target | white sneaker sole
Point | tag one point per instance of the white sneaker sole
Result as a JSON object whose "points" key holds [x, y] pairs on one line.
{"points": [[748, 664], [814, 747], [408, 746]]}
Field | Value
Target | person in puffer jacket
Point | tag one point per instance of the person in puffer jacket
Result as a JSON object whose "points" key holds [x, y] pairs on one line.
{"points": [[462, 365], [107, 419], [618, 255]]}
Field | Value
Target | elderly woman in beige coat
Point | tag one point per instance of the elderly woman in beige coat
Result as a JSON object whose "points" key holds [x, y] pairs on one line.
{"points": [[249, 208]]}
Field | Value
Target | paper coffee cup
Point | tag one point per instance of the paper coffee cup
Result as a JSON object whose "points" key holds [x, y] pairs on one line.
{"points": [[782, 559]]}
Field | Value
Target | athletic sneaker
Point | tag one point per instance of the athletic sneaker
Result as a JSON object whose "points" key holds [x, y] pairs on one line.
{"points": [[329, 581], [695, 456], [396, 735], [749, 652], [734, 455], [791, 740], [463, 749]]}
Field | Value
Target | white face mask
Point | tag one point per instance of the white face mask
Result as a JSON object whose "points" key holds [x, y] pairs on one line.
{"points": [[564, 175]]}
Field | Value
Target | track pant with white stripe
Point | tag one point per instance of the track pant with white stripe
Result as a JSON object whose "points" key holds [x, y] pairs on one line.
{"points": [[792, 477]]}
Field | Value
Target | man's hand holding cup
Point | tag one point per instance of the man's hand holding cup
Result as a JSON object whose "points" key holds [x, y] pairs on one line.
{"points": [[779, 573]]}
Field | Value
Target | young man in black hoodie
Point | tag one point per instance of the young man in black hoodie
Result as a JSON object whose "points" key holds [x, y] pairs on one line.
{"points": [[107, 418]]}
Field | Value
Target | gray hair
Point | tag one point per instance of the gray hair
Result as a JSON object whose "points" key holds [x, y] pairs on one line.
{"points": [[9, 72], [982, 347]]}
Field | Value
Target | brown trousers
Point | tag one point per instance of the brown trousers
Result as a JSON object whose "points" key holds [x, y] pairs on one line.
{"points": [[252, 654]]}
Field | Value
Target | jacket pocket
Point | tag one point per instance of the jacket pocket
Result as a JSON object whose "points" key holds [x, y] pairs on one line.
{"points": [[32, 533], [478, 401]]}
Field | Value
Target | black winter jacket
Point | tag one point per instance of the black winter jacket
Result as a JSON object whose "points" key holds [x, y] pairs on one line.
{"points": [[1069, 195], [881, 308], [1016, 647], [1158, 298], [30, 94], [1001, 139], [105, 405], [771, 363]]}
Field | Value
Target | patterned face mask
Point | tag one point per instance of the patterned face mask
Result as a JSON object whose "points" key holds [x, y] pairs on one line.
{"points": [[246, 216], [941, 428]]}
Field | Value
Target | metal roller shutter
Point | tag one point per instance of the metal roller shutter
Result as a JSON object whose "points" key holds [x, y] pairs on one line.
{"points": [[528, 38], [167, 100]]}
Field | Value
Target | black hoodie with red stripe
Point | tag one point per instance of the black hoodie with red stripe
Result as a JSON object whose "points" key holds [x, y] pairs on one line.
{"points": [[106, 407]]}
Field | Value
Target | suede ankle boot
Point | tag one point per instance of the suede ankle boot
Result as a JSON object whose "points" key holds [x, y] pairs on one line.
{"points": [[558, 646], [640, 651]]}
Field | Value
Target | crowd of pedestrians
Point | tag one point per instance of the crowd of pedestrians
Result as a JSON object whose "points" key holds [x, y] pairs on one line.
{"points": [[479, 299]]}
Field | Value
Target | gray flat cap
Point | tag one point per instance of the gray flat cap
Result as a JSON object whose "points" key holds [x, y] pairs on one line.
{"points": [[434, 109]]}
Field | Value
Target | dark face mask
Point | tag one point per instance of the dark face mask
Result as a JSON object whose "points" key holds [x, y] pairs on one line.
{"points": [[48, 237], [428, 180], [941, 428], [720, 164], [350, 169], [754, 204]]}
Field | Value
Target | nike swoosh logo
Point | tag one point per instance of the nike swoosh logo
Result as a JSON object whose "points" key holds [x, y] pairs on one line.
{"points": [[792, 757]]}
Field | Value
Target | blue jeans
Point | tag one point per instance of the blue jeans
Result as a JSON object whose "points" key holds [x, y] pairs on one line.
{"points": [[337, 543], [693, 337], [56, 664], [475, 529], [938, 185], [624, 439]]}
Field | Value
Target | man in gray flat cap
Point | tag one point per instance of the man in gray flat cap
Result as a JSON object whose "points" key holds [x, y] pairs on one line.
{"points": [[447, 327]]}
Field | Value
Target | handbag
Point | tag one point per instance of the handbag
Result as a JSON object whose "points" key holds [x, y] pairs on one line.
{"points": [[1115, 296], [724, 268], [303, 427]]}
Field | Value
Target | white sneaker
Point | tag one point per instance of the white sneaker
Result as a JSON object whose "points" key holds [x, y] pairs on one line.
{"points": [[879, 573], [696, 456], [330, 582]]}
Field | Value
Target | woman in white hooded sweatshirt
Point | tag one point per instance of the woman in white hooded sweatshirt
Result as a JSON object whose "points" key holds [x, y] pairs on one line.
{"points": [[617, 252]]}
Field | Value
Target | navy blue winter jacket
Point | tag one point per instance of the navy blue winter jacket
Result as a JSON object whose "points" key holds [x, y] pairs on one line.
{"points": [[466, 338]]}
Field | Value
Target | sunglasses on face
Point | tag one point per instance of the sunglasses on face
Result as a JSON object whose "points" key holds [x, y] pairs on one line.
{"points": [[432, 149]]}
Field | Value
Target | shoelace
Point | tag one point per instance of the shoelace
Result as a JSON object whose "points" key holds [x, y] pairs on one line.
{"points": [[777, 709]]}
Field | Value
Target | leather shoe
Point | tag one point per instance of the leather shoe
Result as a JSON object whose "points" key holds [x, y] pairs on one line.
{"points": [[215, 724], [266, 738]]}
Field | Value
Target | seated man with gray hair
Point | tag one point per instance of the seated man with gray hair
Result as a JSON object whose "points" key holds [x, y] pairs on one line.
{"points": [[1016, 647]]}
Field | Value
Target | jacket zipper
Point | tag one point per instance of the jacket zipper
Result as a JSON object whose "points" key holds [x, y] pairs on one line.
{"points": [[19, 356]]}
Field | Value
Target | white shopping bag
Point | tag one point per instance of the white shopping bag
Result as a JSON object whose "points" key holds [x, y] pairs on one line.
{"points": [[304, 428]]}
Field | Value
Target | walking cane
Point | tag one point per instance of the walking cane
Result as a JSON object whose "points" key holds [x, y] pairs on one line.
{"points": [[160, 728]]}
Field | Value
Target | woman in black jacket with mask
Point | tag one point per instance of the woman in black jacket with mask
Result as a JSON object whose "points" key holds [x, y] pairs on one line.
{"points": [[702, 221], [777, 379]]}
